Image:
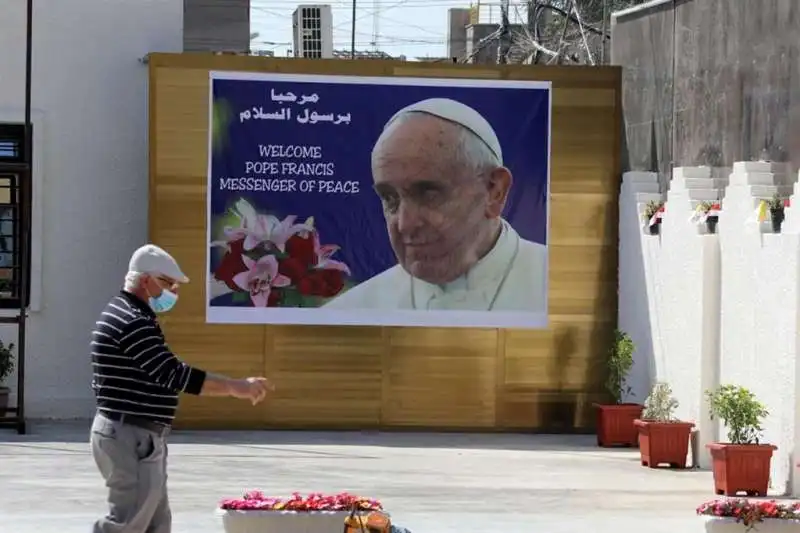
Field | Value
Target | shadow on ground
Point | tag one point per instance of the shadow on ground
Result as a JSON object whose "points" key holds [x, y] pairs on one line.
{"points": [[78, 432]]}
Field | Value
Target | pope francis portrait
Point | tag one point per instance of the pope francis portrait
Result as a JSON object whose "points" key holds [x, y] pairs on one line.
{"points": [[438, 171]]}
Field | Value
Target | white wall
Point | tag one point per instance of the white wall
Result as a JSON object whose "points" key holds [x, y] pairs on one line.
{"points": [[717, 308], [759, 303], [675, 326], [90, 171]]}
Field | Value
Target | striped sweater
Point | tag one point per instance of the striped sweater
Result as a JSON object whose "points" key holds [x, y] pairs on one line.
{"points": [[134, 371]]}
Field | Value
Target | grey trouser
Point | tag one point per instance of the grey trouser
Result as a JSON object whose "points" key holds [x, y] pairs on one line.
{"points": [[133, 461]]}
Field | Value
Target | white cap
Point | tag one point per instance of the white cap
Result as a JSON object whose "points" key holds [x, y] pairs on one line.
{"points": [[150, 259], [460, 114]]}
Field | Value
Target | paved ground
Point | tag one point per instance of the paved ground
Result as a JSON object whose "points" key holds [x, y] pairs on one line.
{"points": [[431, 483]]}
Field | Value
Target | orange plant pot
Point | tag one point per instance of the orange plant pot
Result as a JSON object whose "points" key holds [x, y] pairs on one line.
{"points": [[664, 442], [615, 424], [741, 468]]}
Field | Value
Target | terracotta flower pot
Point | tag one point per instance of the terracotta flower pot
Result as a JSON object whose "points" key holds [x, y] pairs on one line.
{"points": [[4, 394], [664, 442], [615, 424], [741, 468]]}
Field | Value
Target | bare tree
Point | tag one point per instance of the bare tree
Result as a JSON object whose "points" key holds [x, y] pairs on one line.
{"points": [[567, 31]]}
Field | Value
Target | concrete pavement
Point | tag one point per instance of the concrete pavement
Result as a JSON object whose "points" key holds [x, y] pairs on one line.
{"points": [[430, 483]]}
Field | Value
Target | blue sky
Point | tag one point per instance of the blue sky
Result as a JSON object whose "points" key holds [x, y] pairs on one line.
{"points": [[414, 28]]}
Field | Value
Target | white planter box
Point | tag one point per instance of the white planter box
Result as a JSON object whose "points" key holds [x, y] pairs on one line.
{"points": [[729, 525], [283, 521]]}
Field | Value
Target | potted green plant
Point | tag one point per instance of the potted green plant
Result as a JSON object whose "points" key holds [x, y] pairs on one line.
{"points": [[615, 421], [652, 216], [743, 463], [776, 206], [6, 367], [662, 438]]}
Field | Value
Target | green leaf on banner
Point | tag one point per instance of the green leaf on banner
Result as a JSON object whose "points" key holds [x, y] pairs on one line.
{"points": [[220, 120], [240, 297], [291, 298]]}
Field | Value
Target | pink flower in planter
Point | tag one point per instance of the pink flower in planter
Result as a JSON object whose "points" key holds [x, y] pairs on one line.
{"points": [[255, 501], [750, 512], [259, 278]]}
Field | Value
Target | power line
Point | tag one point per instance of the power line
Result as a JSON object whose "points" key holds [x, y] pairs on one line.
{"points": [[281, 10], [407, 3]]}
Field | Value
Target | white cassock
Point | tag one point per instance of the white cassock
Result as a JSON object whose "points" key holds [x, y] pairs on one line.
{"points": [[511, 277]]}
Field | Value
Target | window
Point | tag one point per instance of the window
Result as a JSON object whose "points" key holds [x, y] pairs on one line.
{"points": [[12, 143], [14, 184]]}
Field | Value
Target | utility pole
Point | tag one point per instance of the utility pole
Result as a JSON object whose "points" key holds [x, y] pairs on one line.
{"points": [[353, 33], [376, 21], [504, 44], [603, 34]]}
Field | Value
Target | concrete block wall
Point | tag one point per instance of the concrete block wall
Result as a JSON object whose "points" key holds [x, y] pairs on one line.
{"points": [[217, 26]]}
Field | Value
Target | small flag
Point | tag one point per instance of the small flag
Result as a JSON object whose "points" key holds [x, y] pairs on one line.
{"points": [[714, 211], [761, 211], [656, 218]]}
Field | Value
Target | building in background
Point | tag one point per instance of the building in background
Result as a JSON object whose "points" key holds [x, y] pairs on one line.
{"points": [[433, 59], [216, 26], [366, 54], [457, 21], [312, 31], [80, 79]]}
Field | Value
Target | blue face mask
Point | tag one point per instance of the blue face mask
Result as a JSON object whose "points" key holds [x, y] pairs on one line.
{"points": [[164, 302]]}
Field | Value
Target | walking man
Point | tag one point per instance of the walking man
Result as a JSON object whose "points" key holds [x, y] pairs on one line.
{"points": [[136, 381]]}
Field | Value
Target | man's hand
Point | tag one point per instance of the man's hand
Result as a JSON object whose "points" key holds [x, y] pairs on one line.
{"points": [[253, 389]]}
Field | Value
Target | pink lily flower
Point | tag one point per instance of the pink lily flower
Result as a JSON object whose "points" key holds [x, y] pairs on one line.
{"points": [[259, 278], [256, 229], [272, 230], [324, 252]]}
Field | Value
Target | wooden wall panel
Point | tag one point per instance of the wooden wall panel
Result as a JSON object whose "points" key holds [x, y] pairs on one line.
{"points": [[439, 377], [326, 374], [370, 377]]}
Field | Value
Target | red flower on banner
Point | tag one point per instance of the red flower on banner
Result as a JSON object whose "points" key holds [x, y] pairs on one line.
{"points": [[256, 501], [301, 247], [323, 282], [231, 264], [310, 267], [293, 268], [299, 265]]}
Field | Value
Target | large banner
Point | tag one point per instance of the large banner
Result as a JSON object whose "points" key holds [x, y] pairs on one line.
{"points": [[377, 201]]}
